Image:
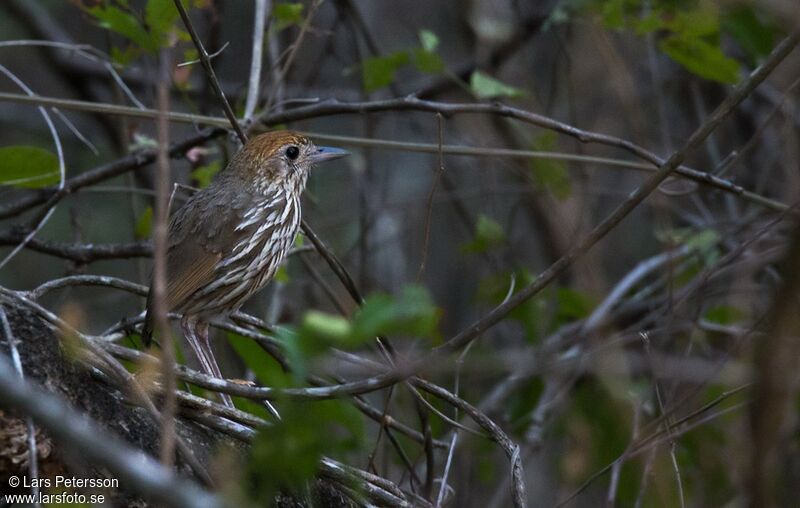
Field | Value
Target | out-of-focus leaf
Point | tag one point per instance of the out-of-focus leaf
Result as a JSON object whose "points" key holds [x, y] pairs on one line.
{"points": [[691, 33], [141, 141], [548, 174], [378, 72], [755, 36], [160, 17], [573, 305], [125, 56], [412, 313], [614, 13], [282, 275], [28, 166], [144, 224], [287, 454], [701, 58], [429, 40], [521, 405], [427, 61], [268, 371], [327, 328], [287, 14], [725, 315], [124, 23], [649, 24], [598, 427], [530, 314], [702, 240], [484, 86], [488, 234], [204, 174], [695, 23]]}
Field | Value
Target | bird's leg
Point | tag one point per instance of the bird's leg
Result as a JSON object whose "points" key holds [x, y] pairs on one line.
{"points": [[189, 327], [202, 333], [196, 333]]}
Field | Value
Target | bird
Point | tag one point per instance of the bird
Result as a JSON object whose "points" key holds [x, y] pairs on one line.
{"points": [[228, 240]]}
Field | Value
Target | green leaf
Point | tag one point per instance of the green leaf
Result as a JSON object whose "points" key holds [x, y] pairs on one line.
{"points": [[427, 61], [144, 224], [703, 240], [282, 275], [125, 24], [429, 40], [160, 17], [126, 56], [701, 58], [649, 24], [550, 175], [755, 36], [378, 72], [488, 234], [412, 314], [614, 13], [28, 166], [725, 315], [531, 314], [204, 174], [695, 23], [287, 14], [268, 371], [486, 87], [573, 305], [327, 327], [286, 455]]}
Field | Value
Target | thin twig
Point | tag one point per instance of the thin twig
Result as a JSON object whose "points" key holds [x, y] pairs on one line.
{"points": [[212, 76], [160, 245], [429, 207], [256, 59], [653, 161]]}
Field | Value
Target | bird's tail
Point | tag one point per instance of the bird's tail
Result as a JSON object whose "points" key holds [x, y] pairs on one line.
{"points": [[147, 329], [148, 325]]}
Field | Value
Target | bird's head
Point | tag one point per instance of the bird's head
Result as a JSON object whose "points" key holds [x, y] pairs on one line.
{"points": [[280, 158]]}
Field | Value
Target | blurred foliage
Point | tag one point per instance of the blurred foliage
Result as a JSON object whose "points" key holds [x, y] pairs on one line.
{"points": [[689, 34], [287, 14], [204, 174], [484, 86], [488, 235], [725, 315], [542, 314], [147, 31], [687, 31], [144, 224], [411, 314], [286, 454], [380, 71]]}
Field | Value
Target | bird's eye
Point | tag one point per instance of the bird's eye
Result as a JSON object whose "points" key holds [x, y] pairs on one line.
{"points": [[292, 152]]}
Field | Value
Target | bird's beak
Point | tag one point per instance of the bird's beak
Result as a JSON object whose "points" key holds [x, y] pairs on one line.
{"points": [[326, 153]]}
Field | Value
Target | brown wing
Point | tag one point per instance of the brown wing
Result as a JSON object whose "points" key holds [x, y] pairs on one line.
{"points": [[201, 233], [190, 266]]}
